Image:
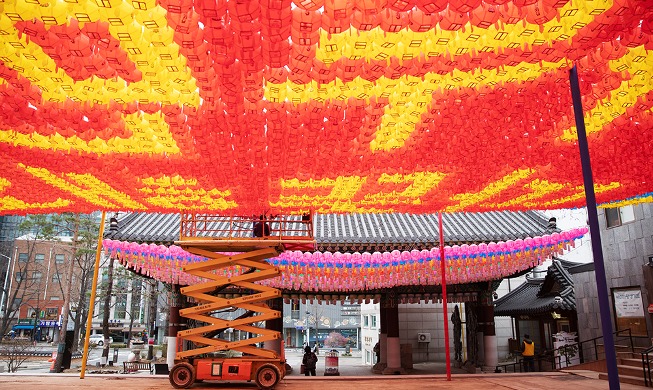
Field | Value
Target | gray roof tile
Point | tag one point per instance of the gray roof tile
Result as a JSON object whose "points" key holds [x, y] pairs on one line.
{"points": [[540, 295]]}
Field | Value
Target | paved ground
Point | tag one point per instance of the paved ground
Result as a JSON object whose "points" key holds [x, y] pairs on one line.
{"points": [[533, 381], [353, 373]]}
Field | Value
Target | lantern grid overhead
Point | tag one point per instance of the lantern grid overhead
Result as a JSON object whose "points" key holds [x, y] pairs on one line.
{"points": [[334, 106]]}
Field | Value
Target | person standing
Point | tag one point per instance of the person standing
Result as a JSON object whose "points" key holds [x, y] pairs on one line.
{"points": [[528, 353], [309, 361]]}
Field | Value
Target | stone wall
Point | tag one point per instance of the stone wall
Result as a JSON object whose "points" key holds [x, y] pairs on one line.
{"points": [[626, 249]]}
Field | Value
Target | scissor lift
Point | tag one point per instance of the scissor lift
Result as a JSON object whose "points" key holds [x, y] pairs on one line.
{"points": [[236, 261]]}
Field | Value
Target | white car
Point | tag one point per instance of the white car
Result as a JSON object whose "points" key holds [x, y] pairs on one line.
{"points": [[98, 339]]}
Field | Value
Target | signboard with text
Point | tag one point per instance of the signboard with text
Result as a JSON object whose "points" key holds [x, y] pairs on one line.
{"points": [[629, 310]]}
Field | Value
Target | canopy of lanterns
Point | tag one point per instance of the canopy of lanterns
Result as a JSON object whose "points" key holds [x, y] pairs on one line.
{"points": [[335, 106], [350, 272]]}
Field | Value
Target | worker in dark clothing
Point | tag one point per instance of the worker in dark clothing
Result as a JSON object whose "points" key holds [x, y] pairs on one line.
{"points": [[261, 228]]}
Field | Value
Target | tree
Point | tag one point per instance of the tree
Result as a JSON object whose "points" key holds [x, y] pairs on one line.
{"points": [[25, 287], [82, 228], [335, 339], [107, 312], [15, 353]]}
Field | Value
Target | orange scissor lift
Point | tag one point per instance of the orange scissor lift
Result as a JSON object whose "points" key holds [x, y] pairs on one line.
{"points": [[236, 261]]}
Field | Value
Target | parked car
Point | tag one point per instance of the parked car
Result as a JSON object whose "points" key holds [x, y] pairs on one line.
{"points": [[98, 339]]}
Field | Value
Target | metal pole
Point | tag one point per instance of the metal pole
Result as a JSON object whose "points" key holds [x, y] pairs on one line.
{"points": [[4, 286], [597, 251], [91, 305], [444, 300]]}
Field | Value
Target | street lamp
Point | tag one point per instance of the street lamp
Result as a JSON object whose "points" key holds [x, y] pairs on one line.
{"points": [[308, 328], [4, 286]]}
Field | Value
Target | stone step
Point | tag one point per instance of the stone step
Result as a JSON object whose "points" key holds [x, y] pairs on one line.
{"points": [[630, 370], [635, 362], [633, 380]]}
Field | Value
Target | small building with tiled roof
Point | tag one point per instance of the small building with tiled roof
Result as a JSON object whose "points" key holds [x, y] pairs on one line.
{"points": [[543, 306]]}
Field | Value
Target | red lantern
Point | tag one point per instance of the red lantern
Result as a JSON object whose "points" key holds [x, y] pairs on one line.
{"points": [[463, 5], [453, 21], [484, 16], [421, 21], [393, 21], [363, 21], [432, 6], [401, 5]]}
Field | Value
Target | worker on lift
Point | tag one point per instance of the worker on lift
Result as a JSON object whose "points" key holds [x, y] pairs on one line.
{"points": [[261, 228]]}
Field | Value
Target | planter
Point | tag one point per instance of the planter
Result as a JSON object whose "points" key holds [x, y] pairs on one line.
{"points": [[161, 369]]}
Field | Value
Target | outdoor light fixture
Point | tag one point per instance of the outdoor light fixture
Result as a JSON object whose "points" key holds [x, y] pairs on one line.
{"points": [[553, 223], [113, 223]]}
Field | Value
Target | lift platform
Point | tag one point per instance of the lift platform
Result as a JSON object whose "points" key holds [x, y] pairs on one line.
{"points": [[236, 249]]}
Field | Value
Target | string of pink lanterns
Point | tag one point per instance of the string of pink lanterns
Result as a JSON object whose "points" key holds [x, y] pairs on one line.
{"points": [[348, 272]]}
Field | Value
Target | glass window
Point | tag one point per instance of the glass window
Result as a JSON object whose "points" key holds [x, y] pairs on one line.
{"points": [[373, 318], [22, 257], [619, 215], [627, 214], [120, 310], [39, 257], [31, 312], [59, 259], [56, 278], [294, 310], [20, 276], [366, 321], [55, 298], [36, 276]]}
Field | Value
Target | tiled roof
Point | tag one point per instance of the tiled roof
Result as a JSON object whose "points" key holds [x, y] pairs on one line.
{"points": [[541, 295], [368, 232]]}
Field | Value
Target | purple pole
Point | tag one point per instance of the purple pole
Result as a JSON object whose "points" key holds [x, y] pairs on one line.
{"points": [[597, 251], [443, 269]]}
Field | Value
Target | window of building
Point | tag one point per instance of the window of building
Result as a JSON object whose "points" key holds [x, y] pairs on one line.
{"points": [[36, 276], [294, 310], [17, 302], [619, 215], [55, 298], [22, 257], [373, 321], [56, 278], [39, 257], [31, 312], [51, 313], [20, 276], [366, 321], [59, 259], [120, 311]]}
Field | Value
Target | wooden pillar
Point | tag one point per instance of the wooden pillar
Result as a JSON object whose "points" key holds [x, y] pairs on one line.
{"points": [[174, 323], [383, 337], [392, 342], [276, 325], [486, 326]]}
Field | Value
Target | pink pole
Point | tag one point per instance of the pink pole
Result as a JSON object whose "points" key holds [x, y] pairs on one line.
{"points": [[444, 300]]}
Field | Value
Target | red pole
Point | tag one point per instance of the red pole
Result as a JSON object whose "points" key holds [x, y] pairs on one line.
{"points": [[444, 300]]}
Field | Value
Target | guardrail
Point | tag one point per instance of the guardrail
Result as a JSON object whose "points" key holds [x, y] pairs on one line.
{"points": [[646, 366]]}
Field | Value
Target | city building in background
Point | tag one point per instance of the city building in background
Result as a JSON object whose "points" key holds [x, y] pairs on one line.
{"points": [[330, 325]]}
